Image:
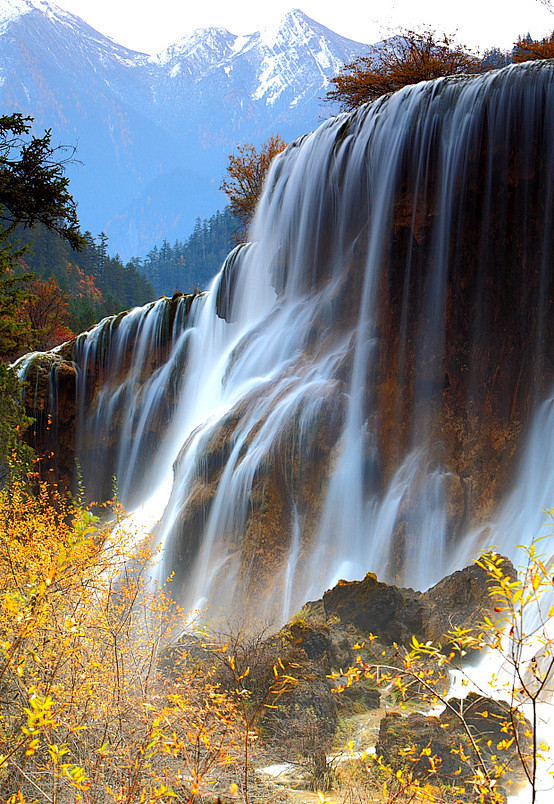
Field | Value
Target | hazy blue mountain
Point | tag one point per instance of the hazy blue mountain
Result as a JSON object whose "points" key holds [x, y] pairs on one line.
{"points": [[152, 132]]}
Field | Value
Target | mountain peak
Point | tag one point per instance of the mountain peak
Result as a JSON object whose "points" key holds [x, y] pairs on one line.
{"points": [[197, 44], [291, 23], [51, 24], [11, 10], [296, 26], [206, 36], [296, 14]]}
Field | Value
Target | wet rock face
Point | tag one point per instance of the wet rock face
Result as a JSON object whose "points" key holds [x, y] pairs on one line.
{"points": [[79, 395], [395, 614], [464, 349], [462, 306], [50, 398], [262, 485]]}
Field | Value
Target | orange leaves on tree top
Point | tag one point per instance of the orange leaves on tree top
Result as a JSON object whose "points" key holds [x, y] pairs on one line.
{"points": [[246, 173], [405, 59]]}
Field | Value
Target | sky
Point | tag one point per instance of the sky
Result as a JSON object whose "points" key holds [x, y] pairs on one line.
{"points": [[479, 24]]}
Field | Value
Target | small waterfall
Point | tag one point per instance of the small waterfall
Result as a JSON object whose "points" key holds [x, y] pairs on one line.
{"points": [[130, 371], [352, 392]]}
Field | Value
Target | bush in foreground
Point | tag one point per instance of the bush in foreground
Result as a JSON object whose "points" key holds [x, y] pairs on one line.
{"points": [[86, 714]]}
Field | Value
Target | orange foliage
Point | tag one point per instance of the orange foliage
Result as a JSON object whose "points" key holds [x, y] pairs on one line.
{"points": [[86, 715], [48, 311], [406, 59], [86, 288], [246, 173], [527, 50]]}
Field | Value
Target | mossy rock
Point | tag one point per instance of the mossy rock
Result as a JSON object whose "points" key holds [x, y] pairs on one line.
{"points": [[450, 747]]}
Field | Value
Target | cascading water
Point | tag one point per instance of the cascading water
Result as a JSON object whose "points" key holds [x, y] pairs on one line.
{"points": [[366, 387], [351, 393]]}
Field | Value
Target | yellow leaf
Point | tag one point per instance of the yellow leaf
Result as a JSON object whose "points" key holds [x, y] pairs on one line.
{"points": [[32, 747]]}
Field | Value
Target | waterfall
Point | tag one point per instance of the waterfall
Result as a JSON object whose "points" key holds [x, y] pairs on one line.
{"points": [[353, 391]]}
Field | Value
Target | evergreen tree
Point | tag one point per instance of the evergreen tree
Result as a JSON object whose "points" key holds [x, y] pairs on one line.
{"points": [[33, 189], [495, 59], [96, 284], [192, 263]]}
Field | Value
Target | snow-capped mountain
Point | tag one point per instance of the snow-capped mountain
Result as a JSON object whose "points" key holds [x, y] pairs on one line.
{"points": [[298, 57], [153, 132]]}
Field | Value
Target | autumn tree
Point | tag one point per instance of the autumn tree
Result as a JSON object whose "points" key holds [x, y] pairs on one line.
{"points": [[526, 49], [47, 309], [401, 60], [86, 713], [246, 172]]}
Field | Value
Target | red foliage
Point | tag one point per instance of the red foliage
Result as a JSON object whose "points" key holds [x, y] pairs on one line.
{"points": [[406, 59], [47, 309], [526, 50], [246, 172], [86, 287]]}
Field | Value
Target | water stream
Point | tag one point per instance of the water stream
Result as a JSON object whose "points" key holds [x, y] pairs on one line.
{"points": [[351, 393], [368, 385]]}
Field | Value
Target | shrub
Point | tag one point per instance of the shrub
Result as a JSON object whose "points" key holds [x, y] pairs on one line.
{"points": [[86, 713], [406, 59]]}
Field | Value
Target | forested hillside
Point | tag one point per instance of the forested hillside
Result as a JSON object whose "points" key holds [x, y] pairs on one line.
{"points": [[72, 290], [192, 263], [90, 283]]}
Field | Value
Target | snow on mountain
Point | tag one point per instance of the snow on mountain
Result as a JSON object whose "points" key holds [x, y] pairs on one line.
{"points": [[141, 121], [298, 54], [11, 10], [49, 18], [202, 48]]}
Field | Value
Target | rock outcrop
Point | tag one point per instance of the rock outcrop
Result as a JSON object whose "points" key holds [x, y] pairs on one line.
{"points": [[470, 735], [394, 614], [50, 397], [85, 394]]}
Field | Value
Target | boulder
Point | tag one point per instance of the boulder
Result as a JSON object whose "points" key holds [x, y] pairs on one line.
{"points": [[395, 614], [452, 746], [403, 743], [461, 600], [390, 613]]}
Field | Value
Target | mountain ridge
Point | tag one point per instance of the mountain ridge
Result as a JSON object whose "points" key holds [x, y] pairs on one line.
{"points": [[153, 131]]}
